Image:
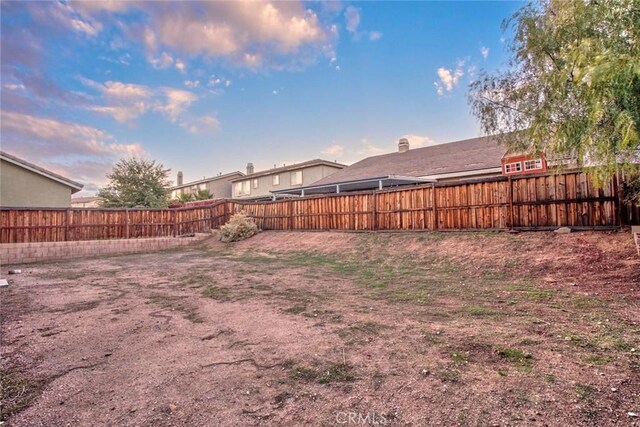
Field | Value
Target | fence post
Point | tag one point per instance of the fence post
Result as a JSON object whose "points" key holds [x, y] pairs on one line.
{"points": [[434, 206], [174, 213], [290, 225], [66, 225], [510, 199], [375, 211], [264, 216], [618, 199], [127, 232]]}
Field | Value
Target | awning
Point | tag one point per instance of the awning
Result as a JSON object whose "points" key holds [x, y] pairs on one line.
{"points": [[378, 183]]}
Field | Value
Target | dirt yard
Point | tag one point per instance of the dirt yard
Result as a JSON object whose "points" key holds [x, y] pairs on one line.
{"points": [[293, 329]]}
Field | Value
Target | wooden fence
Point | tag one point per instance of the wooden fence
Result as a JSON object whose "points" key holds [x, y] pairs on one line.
{"points": [[60, 225], [525, 203]]}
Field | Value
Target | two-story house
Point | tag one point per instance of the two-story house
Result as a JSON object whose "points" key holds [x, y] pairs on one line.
{"points": [[219, 186], [256, 185]]}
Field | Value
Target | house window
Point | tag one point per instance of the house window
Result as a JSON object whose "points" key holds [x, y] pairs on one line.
{"points": [[255, 183], [513, 167], [296, 178], [532, 164], [242, 188], [275, 180]]}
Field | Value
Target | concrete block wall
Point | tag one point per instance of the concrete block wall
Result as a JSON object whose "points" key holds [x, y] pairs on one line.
{"points": [[23, 253]]}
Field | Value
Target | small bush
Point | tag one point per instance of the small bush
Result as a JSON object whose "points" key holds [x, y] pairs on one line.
{"points": [[239, 227]]}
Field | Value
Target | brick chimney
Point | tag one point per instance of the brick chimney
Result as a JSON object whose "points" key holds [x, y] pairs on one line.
{"points": [[403, 145], [179, 182], [249, 168]]}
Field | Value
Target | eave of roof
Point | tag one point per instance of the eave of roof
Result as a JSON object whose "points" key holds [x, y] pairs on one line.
{"points": [[357, 184], [41, 171], [294, 166], [205, 180]]}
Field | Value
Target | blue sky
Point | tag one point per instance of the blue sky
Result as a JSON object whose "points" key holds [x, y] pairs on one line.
{"points": [[205, 87]]}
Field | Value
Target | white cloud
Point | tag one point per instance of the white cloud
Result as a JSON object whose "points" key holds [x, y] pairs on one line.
{"points": [[125, 90], [375, 35], [180, 65], [251, 60], [207, 123], [368, 149], [244, 32], [417, 141], [352, 16], [163, 61], [62, 15], [272, 33], [122, 113], [84, 27], [127, 101], [176, 102], [13, 86], [192, 83], [79, 152], [485, 52], [123, 101], [448, 78], [335, 150], [217, 83]]}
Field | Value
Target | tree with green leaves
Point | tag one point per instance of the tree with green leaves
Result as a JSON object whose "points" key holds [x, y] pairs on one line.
{"points": [[572, 87], [203, 194], [136, 183], [185, 197]]}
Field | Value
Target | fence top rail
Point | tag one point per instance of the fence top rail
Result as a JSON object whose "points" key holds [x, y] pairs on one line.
{"points": [[98, 209]]}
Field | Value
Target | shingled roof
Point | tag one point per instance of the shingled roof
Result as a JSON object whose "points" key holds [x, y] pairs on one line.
{"points": [[460, 156]]}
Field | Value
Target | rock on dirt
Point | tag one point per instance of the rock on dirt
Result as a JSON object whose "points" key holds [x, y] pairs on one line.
{"points": [[563, 230]]}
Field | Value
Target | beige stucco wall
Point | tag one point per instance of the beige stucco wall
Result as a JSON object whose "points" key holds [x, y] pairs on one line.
{"points": [[22, 188], [265, 183], [219, 188]]}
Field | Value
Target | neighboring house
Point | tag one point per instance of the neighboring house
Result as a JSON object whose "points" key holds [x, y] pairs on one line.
{"points": [[523, 164], [25, 185], [468, 159], [219, 186], [85, 202], [256, 185]]}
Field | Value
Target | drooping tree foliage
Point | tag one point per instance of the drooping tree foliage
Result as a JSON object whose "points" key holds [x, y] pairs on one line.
{"points": [[572, 87], [136, 183]]}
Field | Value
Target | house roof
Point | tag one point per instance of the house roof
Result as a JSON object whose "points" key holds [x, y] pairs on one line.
{"points": [[205, 180], [294, 166], [75, 186], [444, 159]]}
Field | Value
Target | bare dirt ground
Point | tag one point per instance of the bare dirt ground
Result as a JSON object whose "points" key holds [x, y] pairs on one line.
{"points": [[292, 329]]}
